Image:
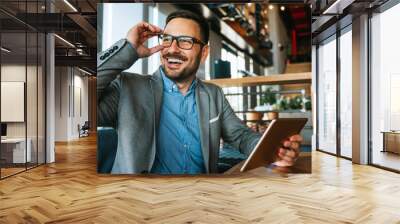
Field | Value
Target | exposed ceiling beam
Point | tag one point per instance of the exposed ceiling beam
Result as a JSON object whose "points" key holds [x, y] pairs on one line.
{"points": [[86, 26], [81, 61]]}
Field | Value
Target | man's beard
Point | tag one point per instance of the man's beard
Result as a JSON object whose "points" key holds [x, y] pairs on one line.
{"points": [[186, 73]]}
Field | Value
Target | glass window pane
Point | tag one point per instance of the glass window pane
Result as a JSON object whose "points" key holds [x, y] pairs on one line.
{"points": [[41, 98], [31, 97], [14, 153], [327, 96], [346, 94], [385, 84]]}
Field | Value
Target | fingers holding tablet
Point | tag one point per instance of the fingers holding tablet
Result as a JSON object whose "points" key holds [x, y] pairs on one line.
{"points": [[286, 157]]}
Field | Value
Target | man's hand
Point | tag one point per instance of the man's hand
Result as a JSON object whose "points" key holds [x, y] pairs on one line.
{"points": [[288, 154], [139, 34]]}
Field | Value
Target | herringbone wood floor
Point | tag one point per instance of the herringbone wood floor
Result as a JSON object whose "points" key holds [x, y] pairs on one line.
{"points": [[70, 191]]}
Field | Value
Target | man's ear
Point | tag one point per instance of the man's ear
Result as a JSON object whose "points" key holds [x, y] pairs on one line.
{"points": [[204, 53]]}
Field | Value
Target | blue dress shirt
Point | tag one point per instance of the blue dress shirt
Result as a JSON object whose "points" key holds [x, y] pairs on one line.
{"points": [[178, 139]]}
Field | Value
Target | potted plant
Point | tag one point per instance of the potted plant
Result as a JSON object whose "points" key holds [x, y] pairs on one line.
{"points": [[296, 103], [269, 98]]}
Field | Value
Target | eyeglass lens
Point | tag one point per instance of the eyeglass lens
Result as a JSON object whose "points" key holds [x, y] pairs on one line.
{"points": [[183, 42]]}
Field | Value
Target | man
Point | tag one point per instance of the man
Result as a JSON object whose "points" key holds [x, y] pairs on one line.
{"points": [[170, 122]]}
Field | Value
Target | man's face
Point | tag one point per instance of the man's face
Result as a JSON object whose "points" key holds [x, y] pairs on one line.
{"points": [[180, 64]]}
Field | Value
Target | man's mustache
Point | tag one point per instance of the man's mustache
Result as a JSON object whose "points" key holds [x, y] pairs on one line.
{"points": [[178, 56]]}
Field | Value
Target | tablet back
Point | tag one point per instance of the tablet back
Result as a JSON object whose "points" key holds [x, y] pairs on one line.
{"points": [[267, 148]]}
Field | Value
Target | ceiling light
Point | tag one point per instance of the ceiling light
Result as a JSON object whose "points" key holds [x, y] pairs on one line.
{"points": [[5, 50], [70, 5], [338, 6], [271, 7], [282, 8], [266, 26], [263, 32], [65, 41], [86, 72]]}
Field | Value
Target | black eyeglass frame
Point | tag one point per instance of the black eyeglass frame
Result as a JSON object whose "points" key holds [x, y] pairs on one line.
{"points": [[195, 40]]}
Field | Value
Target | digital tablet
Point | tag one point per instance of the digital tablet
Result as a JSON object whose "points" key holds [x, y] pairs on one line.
{"points": [[267, 147]]}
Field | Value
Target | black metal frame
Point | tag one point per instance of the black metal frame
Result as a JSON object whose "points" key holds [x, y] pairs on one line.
{"points": [[316, 97], [369, 77], [338, 98]]}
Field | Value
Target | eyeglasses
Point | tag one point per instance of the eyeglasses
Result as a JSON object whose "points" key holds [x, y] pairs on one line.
{"points": [[184, 42]]}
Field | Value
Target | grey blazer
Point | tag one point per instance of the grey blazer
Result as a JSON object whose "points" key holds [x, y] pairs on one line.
{"points": [[131, 103]]}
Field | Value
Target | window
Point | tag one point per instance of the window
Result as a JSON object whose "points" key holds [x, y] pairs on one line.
{"points": [[327, 96], [346, 93], [385, 88]]}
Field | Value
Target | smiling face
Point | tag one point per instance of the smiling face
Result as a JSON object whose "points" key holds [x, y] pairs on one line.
{"points": [[180, 64]]}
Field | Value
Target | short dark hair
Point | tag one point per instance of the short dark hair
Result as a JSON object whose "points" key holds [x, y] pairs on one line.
{"points": [[201, 21]]}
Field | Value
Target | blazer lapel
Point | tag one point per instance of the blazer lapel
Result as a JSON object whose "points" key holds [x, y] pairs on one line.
{"points": [[157, 87], [203, 111]]}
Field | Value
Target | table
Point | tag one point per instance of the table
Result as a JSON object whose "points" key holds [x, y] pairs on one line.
{"points": [[13, 150], [391, 141]]}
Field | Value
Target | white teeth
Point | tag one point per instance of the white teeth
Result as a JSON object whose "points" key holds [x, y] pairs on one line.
{"points": [[175, 60]]}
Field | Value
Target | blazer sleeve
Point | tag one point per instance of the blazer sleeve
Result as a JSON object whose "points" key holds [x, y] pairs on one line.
{"points": [[110, 64], [234, 131]]}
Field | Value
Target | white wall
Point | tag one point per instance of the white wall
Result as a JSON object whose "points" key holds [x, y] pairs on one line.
{"points": [[70, 83], [61, 103], [33, 126], [12, 73]]}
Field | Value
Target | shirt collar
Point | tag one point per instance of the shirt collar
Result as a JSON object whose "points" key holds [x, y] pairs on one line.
{"points": [[170, 85]]}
